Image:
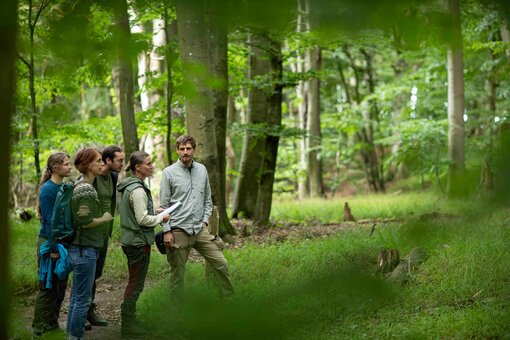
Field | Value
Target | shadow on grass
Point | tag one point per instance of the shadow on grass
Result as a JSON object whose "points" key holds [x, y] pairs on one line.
{"points": [[293, 310]]}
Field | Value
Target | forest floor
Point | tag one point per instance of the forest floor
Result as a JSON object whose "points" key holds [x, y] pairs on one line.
{"points": [[109, 293]]}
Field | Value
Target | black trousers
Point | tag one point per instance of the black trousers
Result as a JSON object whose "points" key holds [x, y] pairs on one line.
{"points": [[48, 301], [99, 267]]}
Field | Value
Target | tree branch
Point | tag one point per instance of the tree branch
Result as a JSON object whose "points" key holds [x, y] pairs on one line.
{"points": [[23, 60]]}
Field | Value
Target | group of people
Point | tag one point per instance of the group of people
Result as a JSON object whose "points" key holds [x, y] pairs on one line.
{"points": [[93, 206]]}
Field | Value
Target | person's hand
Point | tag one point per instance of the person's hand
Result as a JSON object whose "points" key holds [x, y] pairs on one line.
{"points": [[107, 217], [168, 239], [83, 211], [55, 256], [158, 210], [166, 218]]}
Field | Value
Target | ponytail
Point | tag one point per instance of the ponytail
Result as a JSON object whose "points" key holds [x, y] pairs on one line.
{"points": [[137, 157], [54, 160]]}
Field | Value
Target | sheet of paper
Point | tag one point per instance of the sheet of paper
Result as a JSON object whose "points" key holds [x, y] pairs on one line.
{"points": [[170, 210]]}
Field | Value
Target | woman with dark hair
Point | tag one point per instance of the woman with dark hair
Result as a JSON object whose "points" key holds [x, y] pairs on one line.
{"points": [[91, 233], [137, 222], [49, 300]]}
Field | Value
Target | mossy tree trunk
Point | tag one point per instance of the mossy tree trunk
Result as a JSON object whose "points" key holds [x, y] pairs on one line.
{"points": [[8, 17]]}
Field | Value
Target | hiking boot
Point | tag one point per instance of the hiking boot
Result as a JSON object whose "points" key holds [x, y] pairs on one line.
{"points": [[132, 328], [94, 318]]}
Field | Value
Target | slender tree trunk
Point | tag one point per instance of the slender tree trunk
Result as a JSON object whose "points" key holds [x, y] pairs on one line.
{"points": [[486, 188], [314, 160], [371, 116], [123, 78], [219, 72], [247, 186], [8, 27], [157, 68], [265, 193], [397, 171], [231, 111], [171, 57], [302, 95], [455, 103], [143, 62], [33, 18]]}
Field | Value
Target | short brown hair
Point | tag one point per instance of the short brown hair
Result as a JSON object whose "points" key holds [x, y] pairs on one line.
{"points": [[84, 158], [185, 139]]}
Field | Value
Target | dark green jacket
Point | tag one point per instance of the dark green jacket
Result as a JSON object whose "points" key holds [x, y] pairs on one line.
{"points": [[85, 194], [132, 234]]}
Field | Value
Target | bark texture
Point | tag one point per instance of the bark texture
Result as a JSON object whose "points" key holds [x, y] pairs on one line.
{"points": [[455, 102], [123, 78], [219, 72], [8, 27], [195, 40], [314, 161], [247, 186], [265, 191]]}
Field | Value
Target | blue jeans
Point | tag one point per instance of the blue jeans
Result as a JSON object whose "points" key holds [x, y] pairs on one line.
{"points": [[84, 261]]}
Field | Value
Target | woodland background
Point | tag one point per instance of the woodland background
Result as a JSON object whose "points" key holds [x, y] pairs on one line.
{"points": [[287, 99]]}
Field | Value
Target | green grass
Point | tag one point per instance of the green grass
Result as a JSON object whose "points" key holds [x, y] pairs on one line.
{"points": [[362, 207], [328, 288]]}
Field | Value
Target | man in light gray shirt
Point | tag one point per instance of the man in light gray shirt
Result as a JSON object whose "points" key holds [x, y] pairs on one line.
{"points": [[187, 181]]}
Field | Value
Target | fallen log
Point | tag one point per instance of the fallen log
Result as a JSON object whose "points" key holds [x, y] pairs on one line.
{"points": [[402, 273]]}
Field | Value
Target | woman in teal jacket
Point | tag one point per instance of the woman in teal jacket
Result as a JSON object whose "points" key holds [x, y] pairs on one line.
{"points": [[49, 300], [137, 222]]}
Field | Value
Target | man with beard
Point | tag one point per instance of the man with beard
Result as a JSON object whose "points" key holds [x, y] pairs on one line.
{"points": [[187, 181]]}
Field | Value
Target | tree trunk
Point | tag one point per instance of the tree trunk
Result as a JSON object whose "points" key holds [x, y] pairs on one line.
{"points": [[313, 160], [231, 111], [157, 68], [32, 23], [247, 186], [265, 193], [170, 58], [486, 187], [301, 93], [455, 103], [123, 78], [142, 62], [219, 73], [194, 42], [8, 18], [374, 151]]}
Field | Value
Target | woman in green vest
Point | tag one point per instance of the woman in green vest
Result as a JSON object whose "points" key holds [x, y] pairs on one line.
{"points": [[137, 222]]}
